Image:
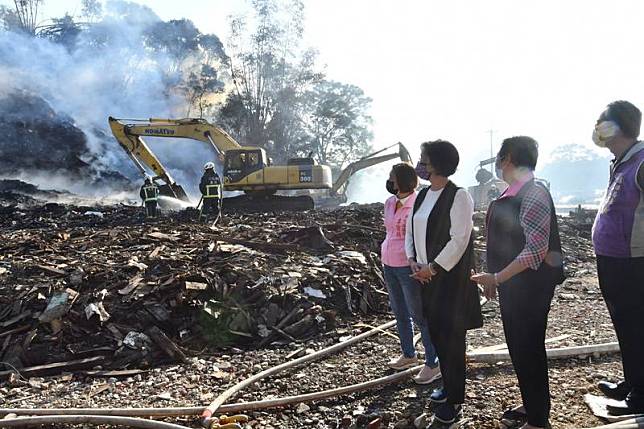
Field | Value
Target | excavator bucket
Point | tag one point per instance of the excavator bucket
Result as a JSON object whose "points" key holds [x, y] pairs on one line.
{"points": [[404, 153], [173, 191]]}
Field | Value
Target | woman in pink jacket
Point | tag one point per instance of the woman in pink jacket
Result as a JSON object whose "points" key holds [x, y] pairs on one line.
{"points": [[405, 292]]}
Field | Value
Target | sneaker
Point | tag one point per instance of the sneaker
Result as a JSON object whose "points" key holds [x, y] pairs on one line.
{"points": [[448, 413], [403, 362], [438, 396], [428, 375]]}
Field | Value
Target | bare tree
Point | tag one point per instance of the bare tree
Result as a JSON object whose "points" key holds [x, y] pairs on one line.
{"points": [[92, 10], [27, 14]]}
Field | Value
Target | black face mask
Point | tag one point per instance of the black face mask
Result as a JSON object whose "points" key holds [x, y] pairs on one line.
{"points": [[391, 188]]}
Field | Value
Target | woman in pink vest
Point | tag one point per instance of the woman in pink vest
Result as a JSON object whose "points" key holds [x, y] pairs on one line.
{"points": [[405, 295]]}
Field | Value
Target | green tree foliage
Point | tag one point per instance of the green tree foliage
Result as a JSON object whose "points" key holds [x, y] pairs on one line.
{"points": [[337, 123], [270, 76], [63, 31], [281, 100], [194, 60]]}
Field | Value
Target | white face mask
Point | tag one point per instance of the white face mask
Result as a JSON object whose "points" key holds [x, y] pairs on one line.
{"points": [[498, 171], [604, 132]]}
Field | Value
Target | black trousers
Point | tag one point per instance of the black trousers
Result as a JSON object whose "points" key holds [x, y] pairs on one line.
{"points": [[621, 281], [449, 342], [151, 209], [525, 304], [210, 207]]}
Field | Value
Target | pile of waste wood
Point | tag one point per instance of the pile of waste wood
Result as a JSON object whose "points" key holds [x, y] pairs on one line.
{"points": [[97, 287]]}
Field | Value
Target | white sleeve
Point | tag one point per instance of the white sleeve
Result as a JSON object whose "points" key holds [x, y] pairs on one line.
{"points": [[461, 228], [409, 236]]}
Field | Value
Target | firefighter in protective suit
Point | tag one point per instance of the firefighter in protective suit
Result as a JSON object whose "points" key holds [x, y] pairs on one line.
{"points": [[210, 187], [150, 195]]}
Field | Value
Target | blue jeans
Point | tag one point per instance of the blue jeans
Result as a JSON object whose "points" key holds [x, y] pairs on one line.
{"points": [[405, 299]]}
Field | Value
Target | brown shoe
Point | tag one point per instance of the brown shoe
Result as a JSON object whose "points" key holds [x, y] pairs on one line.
{"points": [[428, 375]]}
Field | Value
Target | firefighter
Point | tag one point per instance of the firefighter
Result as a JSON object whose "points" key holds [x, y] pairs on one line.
{"points": [[150, 196], [210, 187]]}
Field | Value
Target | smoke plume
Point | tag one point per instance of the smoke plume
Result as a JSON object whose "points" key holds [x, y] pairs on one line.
{"points": [[55, 99]]}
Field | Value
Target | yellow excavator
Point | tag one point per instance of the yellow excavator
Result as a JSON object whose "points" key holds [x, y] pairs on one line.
{"points": [[245, 168]]}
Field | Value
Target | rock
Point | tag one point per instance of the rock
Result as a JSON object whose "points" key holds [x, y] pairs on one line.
{"points": [[302, 408], [358, 410], [422, 421], [137, 341], [165, 396], [401, 424], [567, 296], [346, 421]]}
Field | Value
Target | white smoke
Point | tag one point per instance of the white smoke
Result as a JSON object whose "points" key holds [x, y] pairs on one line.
{"points": [[109, 71]]}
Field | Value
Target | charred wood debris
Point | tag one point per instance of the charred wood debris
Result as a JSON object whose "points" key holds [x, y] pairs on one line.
{"points": [[97, 288]]}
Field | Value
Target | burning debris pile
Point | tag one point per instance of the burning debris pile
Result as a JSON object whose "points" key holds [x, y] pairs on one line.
{"points": [[39, 143]]}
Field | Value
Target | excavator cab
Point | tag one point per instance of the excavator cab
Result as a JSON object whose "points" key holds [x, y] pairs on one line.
{"points": [[240, 163]]}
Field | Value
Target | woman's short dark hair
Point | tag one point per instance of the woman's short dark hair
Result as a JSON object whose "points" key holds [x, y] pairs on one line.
{"points": [[406, 177], [442, 155], [627, 116], [523, 151]]}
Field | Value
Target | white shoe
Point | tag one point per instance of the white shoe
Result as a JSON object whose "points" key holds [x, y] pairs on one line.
{"points": [[403, 362], [428, 375]]}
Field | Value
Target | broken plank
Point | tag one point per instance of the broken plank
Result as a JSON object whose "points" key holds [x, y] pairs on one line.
{"points": [[504, 346], [133, 284], [153, 254], [15, 319], [166, 344], [162, 236], [262, 245], [15, 330], [50, 270], [56, 367], [115, 373], [196, 285]]}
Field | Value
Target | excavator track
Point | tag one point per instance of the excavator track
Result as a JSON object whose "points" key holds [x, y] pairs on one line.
{"points": [[267, 203]]}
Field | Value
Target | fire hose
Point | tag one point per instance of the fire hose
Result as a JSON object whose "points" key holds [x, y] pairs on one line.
{"points": [[217, 404]]}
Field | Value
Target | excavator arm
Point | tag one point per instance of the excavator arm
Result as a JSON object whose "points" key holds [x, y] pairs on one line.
{"points": [[340, 185], [128, 133]]}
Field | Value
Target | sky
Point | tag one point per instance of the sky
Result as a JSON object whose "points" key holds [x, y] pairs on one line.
{"points": [[457, 69]]}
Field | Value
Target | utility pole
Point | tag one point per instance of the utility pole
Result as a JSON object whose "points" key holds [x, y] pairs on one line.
{"points": [[491, 132]]}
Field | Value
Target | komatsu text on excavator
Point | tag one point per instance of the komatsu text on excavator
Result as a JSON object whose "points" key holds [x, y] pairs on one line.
{"points": [[245, 168]]}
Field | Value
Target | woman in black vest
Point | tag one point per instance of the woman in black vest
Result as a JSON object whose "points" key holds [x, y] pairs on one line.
{"points": [[525, 263], [440, 249]]}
